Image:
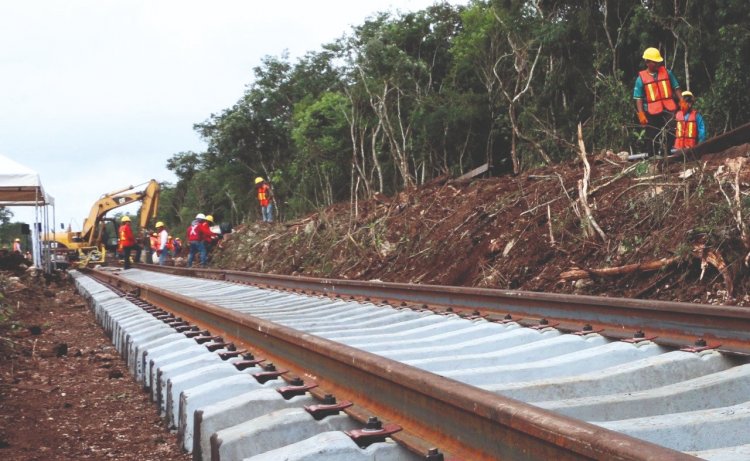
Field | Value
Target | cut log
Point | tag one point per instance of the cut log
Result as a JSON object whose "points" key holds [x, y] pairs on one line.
{"points": [[707, 257]]}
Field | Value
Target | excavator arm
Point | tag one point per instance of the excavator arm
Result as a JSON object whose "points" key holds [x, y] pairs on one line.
{"points": [[149, 197], [150, 203]]}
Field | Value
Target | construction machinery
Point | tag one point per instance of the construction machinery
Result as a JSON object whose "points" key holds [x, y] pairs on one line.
{"points": [[89, 245]]}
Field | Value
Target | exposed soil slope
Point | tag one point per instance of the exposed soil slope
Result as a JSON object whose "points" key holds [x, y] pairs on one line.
{"points": [[670, 231]]}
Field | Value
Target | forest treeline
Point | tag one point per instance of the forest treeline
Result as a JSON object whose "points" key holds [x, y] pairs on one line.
{"points": [[405, 97]]}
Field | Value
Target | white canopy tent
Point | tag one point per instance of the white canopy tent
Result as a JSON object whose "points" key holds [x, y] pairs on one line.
{"points": [[21, 186]]}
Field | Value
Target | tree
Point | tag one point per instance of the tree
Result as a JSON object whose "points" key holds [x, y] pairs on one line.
{"points": [[403, 98], [5, 215]]}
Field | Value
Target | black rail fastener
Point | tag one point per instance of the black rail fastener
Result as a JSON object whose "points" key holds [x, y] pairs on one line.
{"points": [[639, 336], [373, 432], [269, 372], [228, 354], [328, 407], [587, 330], [194, 333], [544, 324], [296, 387], [207, 339], [509, 319], [248, 360], [700, 345], [215, 346], [477, 315], [433, 454]]}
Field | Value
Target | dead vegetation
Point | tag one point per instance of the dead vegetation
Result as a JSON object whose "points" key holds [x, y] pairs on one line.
{"points": [[601, 225]]}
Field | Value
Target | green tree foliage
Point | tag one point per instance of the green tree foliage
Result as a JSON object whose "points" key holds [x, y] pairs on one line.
{"points": [[5, 215], [403, 98]]}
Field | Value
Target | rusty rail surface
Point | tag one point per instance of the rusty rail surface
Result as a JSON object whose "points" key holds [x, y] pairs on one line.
{"points": [[674, 324], [466, 422]]}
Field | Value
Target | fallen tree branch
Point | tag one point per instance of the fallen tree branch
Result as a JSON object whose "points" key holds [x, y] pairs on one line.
{"points": [[576, 273], [549, 224], [590, 223], [616, 177], [707, 257]]}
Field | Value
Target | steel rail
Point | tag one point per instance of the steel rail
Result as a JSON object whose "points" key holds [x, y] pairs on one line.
{"points": [[675, 324], [735, 137], [464, 421]]}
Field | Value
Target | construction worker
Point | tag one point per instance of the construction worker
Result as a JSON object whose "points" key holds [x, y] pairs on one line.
{"points": [[657, 96], [690, 129], [126, 241], [170, 246], [153, 244], [163, 238], [263, 190], [197, 234], [177, 245], [17, 245], [211, 242]]}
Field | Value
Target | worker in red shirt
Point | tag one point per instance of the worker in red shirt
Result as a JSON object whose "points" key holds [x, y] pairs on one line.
{"points": [[198, 234], [126, 241]]}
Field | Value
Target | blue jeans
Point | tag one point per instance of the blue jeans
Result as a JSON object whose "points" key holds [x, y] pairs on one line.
{"points": [[197, 247], [163, 257], [267, 212]]}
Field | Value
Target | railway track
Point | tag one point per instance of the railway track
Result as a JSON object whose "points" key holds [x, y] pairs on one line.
{"points": [[446, 370]]}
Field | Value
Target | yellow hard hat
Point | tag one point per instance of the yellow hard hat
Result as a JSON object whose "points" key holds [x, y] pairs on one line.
{"points": [[154, 234], [652, 54], [210, 218], [125, 219], [159, 224], [18, 240], [687, 94], [258, 180]]}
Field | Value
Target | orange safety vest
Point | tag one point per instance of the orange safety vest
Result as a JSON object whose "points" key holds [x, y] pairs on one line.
{"points": [[658, 92], [126, 236], [170, 243], [154, 242], [264, 191], [686, 134]]}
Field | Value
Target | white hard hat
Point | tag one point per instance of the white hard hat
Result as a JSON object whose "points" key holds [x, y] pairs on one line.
{"points": [[200, 216]]}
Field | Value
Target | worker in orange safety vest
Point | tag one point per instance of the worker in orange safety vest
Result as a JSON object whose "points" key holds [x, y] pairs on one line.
{"points": [[263, 190], [153, 244], [657, 96], [126, 240], [691, 129]]}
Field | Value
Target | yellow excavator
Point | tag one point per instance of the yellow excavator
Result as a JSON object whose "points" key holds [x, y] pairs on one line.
{"points": [[88, 245]]}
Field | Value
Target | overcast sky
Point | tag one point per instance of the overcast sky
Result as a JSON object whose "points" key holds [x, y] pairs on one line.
{"points": [[96, 95]]}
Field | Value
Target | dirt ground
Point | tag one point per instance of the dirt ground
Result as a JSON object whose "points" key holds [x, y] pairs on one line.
{"points": [[674, 230], [65, 393], [671, 231]]}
